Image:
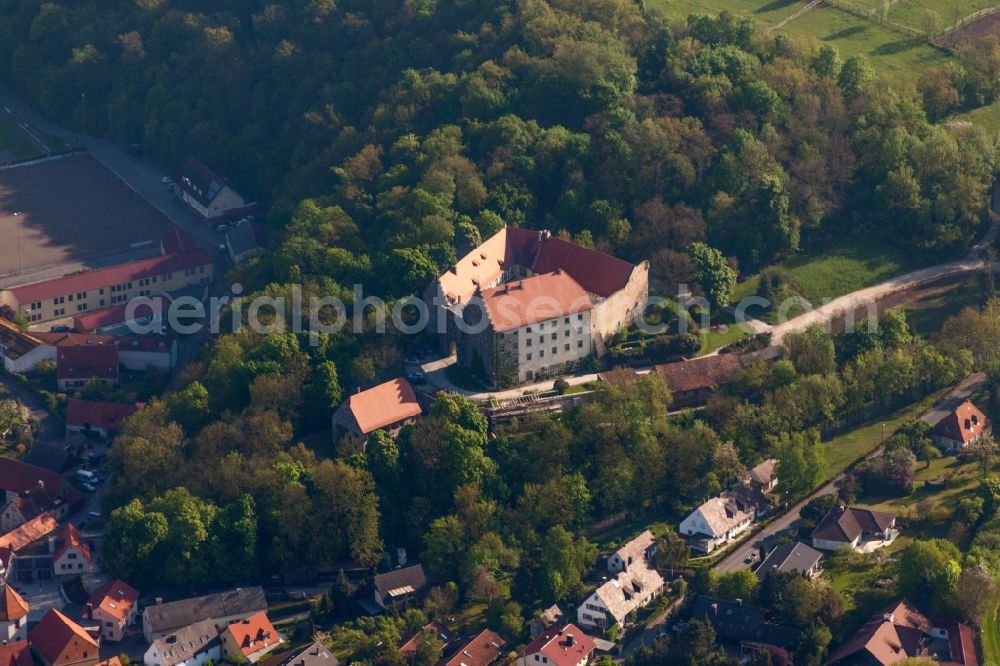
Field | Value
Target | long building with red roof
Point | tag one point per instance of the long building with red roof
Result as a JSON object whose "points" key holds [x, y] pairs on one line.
{"points": [[526, 305], [72, 294]]}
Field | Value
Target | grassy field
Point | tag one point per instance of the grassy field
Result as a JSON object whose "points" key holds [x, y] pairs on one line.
{"points": [[764, 13], [841, 451], [927, 315], [13, 141], [990, 636]]}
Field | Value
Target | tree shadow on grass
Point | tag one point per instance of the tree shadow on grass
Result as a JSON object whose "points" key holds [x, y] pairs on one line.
{"points": [[898, 47], [845, 33], [775, 5]]}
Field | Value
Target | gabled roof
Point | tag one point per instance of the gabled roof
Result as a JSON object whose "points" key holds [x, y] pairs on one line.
{"points": [[620, 595], [764, 473], [441, 635], [186, 642], [16, 342], [562, 646], [199, 181], [890, 635], [739, 622], [162, 344], [49, 457], [253, 634], [539, 298], [38, 527], [115, 598], [406, 580], [17, 653], [722, 514], [12, 605], [384, 405], [61, 641], [845, 524], [700, 373], [97, 415], [105, 277], [597, 272], [177, 240], [963, 424], [790, 558], [636, 549], [177, 614], [17, 477], [85, 322], [70, 537], [314, 655], [99, 362], [481, 650]]}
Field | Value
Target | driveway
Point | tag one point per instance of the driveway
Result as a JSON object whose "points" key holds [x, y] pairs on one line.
{"points": [[790, 518]]}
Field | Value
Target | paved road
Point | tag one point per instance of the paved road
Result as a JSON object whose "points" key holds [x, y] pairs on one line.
{"points": [[654, 628], [790, 518]]}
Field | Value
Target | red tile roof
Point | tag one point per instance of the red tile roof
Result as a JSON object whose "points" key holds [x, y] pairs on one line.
{"points": [[539, 298], [146, 343], [963, 424], [253, 634], [700, 373], [30, 532], [97, 415], [115, 315], [177, 240], [16, 654], [70, 537], [105, 277], [97, 362], [562, 646], [845, 524], [384, 405], [115, 598], [483, 649], [596, 272], [12, 605], [409, 648], [18, 477], [61, 641]]}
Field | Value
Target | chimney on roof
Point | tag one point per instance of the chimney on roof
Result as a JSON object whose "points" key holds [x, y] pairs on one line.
{"points": [[569, 640], [89, 611], [454, 269], [889, 617], [739, 602], [159, 601], [715, 609]]}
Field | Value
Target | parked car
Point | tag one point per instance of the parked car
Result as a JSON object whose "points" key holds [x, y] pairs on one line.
{"points": [[219, 228], [166, 180], [61, 328], [411, 360], [85, 476], [223, 249], [417, 377], [88, 488]]}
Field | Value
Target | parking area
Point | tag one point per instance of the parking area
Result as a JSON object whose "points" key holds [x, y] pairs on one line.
{"points": [[74, 211]]}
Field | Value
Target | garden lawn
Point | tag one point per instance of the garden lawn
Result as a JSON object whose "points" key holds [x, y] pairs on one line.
{"points": [[841, 451], [764, 13], [990, 635], [927, 315]]}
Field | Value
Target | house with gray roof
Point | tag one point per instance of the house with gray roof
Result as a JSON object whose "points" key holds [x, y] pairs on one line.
{"points": [[193, 645], [222, 608], [796, 558]]}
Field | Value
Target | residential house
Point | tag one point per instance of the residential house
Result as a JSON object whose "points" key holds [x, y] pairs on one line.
{"points": [[899, 632], [138, 353], [750, 497], [50, 491], [764, 476], [59, 641], [145, 315], [962, 427], [399, 585], [222, 608], [854, 527], [97, 419], [13, 616], [16, 653], [611, 603], [54, 458], [692, 382], [617, 292], [193, 645], [245, 241], [434, 631], [314, 655], [78, 366], [42, 550], [389, 406], [796, 558], [559, 646], [483, 649], [64, 297], [715, 523], [642, 547], [116, 606], [743, 629], [206, 193], [250, 639], [551, 616], [20, 350]]}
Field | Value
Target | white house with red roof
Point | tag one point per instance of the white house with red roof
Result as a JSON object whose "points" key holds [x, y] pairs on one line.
{"points": [[207, 193], [559, 646], [41, 550], [250, 639], [388, 406], [962, 427], [13, 615], [72, 294], [16, 653], [115, 606], [78, 366], [70, 555], [519, 279]]}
